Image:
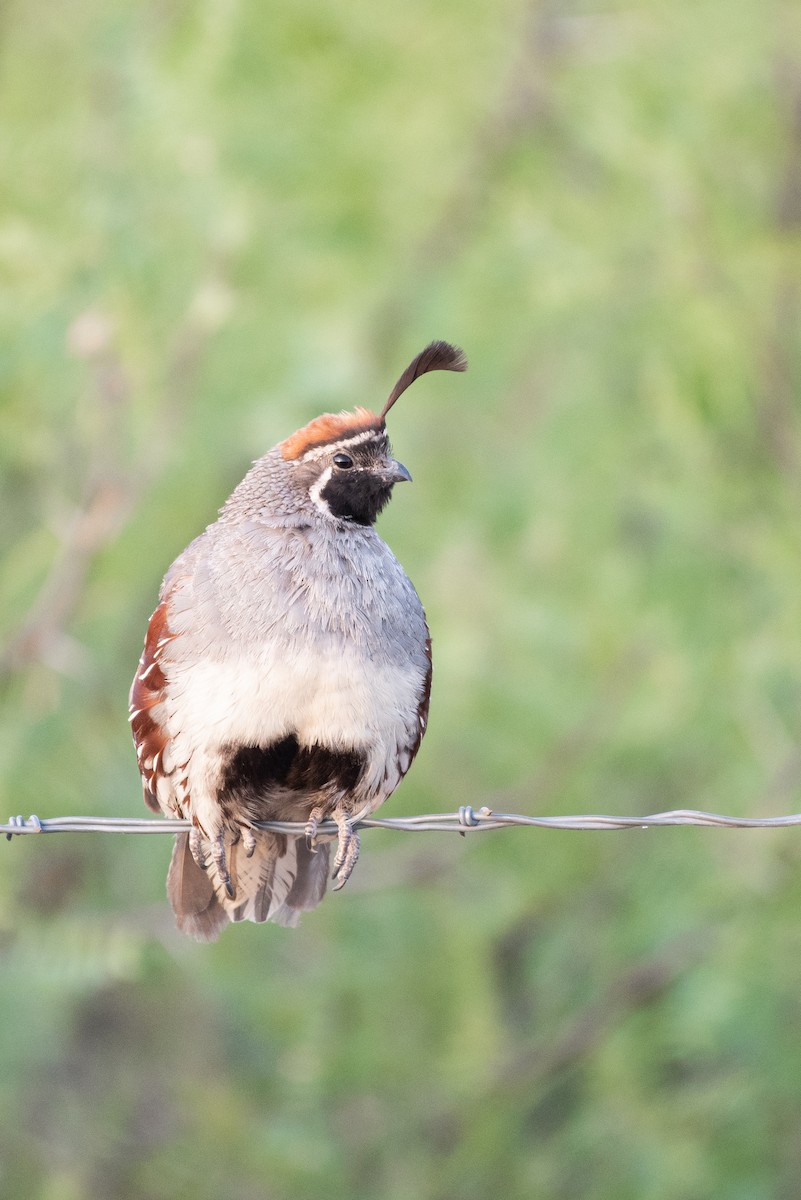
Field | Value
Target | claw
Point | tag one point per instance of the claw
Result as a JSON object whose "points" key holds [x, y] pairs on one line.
{"points": [[347, 850], [249, 842], [218, 854]]}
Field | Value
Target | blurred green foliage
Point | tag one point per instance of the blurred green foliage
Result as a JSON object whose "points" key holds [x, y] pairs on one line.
{"points": [[221, 218]]}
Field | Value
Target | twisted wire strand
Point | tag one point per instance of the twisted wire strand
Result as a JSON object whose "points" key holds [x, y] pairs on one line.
{"points": [[464, 820]]}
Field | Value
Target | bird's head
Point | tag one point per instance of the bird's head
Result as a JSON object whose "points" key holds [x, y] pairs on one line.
{"points": [[342, 462]]}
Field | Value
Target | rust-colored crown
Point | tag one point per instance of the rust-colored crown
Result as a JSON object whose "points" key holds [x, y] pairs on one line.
{"points": [[337, 427], [330, 427]]}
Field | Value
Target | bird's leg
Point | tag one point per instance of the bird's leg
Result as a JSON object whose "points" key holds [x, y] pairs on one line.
{"points": [[248, 838], [348, 847], [248, 841], [196, 847], [316, 815], [218, 855]]}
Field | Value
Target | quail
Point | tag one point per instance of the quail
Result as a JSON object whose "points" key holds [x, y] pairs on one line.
{"points": [[286, 673]]}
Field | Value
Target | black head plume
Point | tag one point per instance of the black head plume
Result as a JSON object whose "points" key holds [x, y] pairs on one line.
{"points": [[439, 356]]}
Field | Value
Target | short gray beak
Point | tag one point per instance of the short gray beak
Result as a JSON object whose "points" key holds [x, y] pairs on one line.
{"points": [[397, 473]]}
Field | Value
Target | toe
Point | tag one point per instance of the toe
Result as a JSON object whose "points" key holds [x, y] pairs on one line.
{"points": [[343, 872], [218, 854], [196, 847]]}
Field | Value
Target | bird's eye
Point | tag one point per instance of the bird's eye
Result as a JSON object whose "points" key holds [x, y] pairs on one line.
{"points": [[343, 461]]}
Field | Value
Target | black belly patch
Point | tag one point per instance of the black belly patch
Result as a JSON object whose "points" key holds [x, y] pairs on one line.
{"points": [[252, 773]]}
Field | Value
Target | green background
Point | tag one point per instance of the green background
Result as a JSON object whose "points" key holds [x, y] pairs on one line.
{"points": [[219, 219]]}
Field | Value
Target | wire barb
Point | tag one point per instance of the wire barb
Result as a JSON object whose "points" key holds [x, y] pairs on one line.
{"points": [[465, 820]]}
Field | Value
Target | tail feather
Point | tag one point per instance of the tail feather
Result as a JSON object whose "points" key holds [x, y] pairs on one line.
{"points": [[197, 910], [311, 880], [280, 880]]}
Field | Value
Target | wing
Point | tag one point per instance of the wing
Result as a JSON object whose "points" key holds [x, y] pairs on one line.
{"points": [[425, 701], [164, 786], [164, 782]]}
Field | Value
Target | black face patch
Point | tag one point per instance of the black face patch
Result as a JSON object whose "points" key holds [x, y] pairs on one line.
{"points": [[251, 772], [356, 495]]}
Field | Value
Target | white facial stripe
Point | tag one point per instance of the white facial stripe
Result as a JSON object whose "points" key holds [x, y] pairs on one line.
{"points": [[316, 489], [321, 451]]}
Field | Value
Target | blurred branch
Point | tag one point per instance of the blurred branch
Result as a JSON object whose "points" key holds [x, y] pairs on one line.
{"points": [[777, 411], [525, 109], [113, 488], [109, 496], [617, 681], [778, 408], [547, 41], [643, 984], [525, 1075]]}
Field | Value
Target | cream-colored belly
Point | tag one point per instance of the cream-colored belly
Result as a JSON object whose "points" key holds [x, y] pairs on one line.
{"points": [[339, 700]]}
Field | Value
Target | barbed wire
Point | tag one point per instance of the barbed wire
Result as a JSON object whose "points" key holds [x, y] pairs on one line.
{"points": [[464, 820]]}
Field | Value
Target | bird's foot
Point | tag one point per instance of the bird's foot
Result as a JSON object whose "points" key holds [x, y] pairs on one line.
{"points": [[196, 847], [347, 849], [220, 862], [248, 841], [315, 816]]}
